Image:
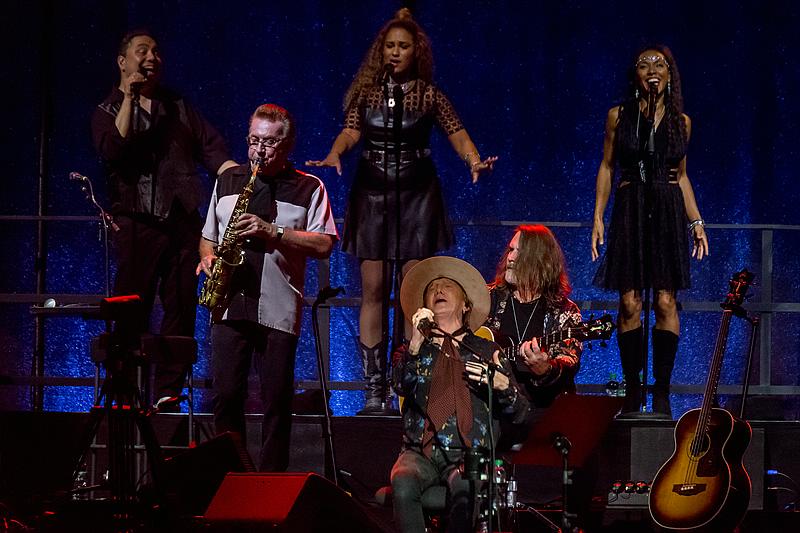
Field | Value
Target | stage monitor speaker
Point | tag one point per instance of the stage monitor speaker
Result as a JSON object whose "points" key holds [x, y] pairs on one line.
{"points": [[301, 502], [652, 446], [191, 478]]}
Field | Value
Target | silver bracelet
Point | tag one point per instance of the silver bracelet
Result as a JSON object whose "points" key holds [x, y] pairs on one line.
{"points": [[469, 161], [698, 222]]}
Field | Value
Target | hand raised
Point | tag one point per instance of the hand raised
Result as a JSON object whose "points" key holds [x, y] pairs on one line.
{"points": [[332, 160], [482, 167]]}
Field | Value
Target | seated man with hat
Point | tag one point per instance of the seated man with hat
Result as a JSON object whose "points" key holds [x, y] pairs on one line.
{"points": [[446, 409]]}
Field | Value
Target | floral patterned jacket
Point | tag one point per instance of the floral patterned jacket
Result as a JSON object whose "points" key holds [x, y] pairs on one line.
{"points": [[565, 356], [412, 380]]}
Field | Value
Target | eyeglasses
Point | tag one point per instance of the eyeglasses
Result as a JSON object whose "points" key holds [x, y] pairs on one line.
{"points": [[269, 142]]}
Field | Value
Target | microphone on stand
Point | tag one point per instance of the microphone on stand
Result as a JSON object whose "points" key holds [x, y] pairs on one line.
{"points": [[385, 73], [651, 112], [77, 177], [652, 87]]}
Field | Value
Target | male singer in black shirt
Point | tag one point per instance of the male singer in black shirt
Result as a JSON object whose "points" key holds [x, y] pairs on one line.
{"points": [[151, 142]]}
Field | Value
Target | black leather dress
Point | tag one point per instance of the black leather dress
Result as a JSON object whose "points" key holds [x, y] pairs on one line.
{"points": [[370, 223]]}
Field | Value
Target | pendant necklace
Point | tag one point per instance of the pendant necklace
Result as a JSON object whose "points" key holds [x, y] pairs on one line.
{"points": [[405, 86], [516, 324]]}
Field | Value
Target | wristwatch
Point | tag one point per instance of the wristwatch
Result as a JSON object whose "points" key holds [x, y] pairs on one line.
{"points": [[279, 231]]}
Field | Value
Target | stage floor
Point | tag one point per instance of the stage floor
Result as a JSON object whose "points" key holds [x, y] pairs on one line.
{"points": [[38, 452]]}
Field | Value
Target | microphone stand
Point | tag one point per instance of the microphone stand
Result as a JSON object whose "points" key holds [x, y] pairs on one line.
{"points": [[491, 368], [647, 229], [331, 470], [388, 280], [106, 221], [397, 123], [388, 267]]}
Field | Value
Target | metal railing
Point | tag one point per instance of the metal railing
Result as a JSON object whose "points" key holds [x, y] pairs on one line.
{"points": [[766, 307]]}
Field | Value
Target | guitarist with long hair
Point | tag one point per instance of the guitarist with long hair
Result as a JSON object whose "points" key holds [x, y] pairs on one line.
{"points": [[529, 300]]}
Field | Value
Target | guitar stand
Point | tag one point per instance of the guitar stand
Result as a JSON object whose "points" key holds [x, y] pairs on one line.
{"points": [[755, 323]]}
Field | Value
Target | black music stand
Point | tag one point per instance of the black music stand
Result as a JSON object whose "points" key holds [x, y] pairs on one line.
{"points": [[565, 436]]}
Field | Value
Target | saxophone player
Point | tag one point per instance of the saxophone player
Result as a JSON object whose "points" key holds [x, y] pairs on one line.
{"points": [[287, 220]]}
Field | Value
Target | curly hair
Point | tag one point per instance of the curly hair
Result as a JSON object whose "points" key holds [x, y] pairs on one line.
{"points": [[373, 61], [540, 266], [677, 135]]}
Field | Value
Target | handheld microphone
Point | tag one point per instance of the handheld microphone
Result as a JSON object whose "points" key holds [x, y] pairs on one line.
{"points": [[145, 73], [386, 71], [425, 325], [136, 86]]}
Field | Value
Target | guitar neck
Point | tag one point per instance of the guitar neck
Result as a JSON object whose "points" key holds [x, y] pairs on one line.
{"points": [[600, 329], [557, 336], [714, 372], [546, 341]]}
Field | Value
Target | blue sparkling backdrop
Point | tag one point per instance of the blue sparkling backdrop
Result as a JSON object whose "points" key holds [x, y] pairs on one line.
{"points": [[532, 81]]}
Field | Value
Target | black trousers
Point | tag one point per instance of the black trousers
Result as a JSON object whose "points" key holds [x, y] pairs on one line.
{"points": [[159, 257], [234, 344]]}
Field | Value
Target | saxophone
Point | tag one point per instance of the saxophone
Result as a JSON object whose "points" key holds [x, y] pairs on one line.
{"points": [[214, 294]]}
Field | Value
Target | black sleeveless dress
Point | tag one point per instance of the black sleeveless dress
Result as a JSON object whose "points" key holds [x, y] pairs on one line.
{"points": [[639, 254], [424, 226]]}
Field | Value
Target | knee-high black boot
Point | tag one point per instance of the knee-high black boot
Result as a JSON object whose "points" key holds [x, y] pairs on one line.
{"points": [[665, 346], [374, 363], [630, 352]]}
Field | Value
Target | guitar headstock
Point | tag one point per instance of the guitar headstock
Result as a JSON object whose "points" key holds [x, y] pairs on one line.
{"points": [[739, 283], [594, 329]]}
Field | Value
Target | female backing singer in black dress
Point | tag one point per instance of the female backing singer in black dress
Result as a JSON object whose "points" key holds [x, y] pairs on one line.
{"points": [[647, 242], [402, 50]]}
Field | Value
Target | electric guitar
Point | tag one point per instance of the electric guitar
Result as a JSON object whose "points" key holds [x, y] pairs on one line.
{"points": [[596, 329], [704, 484]]}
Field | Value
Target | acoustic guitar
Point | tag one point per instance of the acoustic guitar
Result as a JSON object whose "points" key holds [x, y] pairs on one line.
{"points": [[596, 329], [704, 485]]}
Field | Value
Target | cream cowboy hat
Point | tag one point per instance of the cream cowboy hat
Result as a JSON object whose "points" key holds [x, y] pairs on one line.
{"points": [[419, 277]]}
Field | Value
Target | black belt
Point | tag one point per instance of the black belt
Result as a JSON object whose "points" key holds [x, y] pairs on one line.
{"points": [[406, 156]]}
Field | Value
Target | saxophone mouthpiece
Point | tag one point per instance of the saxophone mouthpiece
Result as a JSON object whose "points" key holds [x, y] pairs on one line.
{"points": [[255, 165]]}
